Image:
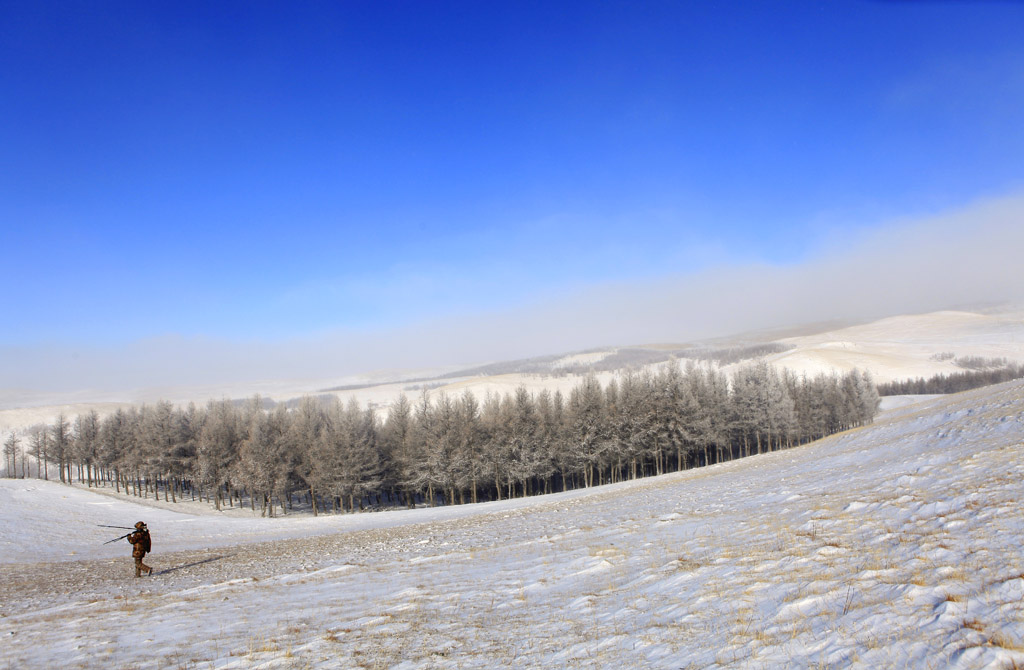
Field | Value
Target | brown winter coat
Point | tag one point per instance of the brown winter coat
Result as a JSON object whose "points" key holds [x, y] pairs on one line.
{"points": [[140, 543]]}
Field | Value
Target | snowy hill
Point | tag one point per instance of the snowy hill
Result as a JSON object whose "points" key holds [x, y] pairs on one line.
{"points": [[907, 346], [896, 545]]}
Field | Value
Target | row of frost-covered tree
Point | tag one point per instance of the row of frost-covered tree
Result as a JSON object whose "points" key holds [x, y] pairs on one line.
{"points": [[957, 381], [446, 449]]}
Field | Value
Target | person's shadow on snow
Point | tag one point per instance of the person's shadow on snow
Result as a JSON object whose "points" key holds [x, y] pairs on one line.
{"points": [[190, 565]]}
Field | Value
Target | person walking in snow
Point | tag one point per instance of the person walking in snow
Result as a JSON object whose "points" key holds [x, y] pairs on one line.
{"points": [[141, 545]]}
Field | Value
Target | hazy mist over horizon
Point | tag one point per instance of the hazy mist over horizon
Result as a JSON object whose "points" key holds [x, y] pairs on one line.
{"points": [[951, 261]]}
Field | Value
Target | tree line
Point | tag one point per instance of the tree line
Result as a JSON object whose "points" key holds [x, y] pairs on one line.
{"points": [[441, 448], [954, 382]]}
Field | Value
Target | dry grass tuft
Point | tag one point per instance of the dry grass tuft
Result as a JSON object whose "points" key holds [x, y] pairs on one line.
{"points": [[687, 564], [1005, 642], [262, 645]]}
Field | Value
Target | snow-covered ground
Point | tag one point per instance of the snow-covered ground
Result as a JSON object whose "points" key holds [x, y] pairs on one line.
{"points": [[899, 545]]}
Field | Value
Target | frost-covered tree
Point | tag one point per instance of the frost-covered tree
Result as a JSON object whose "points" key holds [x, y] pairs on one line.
{"points": [[304, 440], [217, 447], [632, 425], [261, 454], [714, 402], [395, 449], [639, 424], [86, 444], [588, 439], [866, 395], [159, 435], [111, 446], [492, 419], [416, 468], [779, 421], [39, 439], [550, 435], [469, 439], [353, 461], [12, 446], [667, 412], [523, 446], [443, 465], [703, 418], [60, 446]]}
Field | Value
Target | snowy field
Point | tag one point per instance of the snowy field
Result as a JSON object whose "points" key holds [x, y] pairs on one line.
{"points": [[899, 545]]}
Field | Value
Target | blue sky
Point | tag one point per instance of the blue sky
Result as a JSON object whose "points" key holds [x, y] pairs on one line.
{"points": [[259, 176]]}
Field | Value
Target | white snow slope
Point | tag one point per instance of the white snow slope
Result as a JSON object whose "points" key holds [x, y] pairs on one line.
{"points": [[898, 545], [903, 347]]}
